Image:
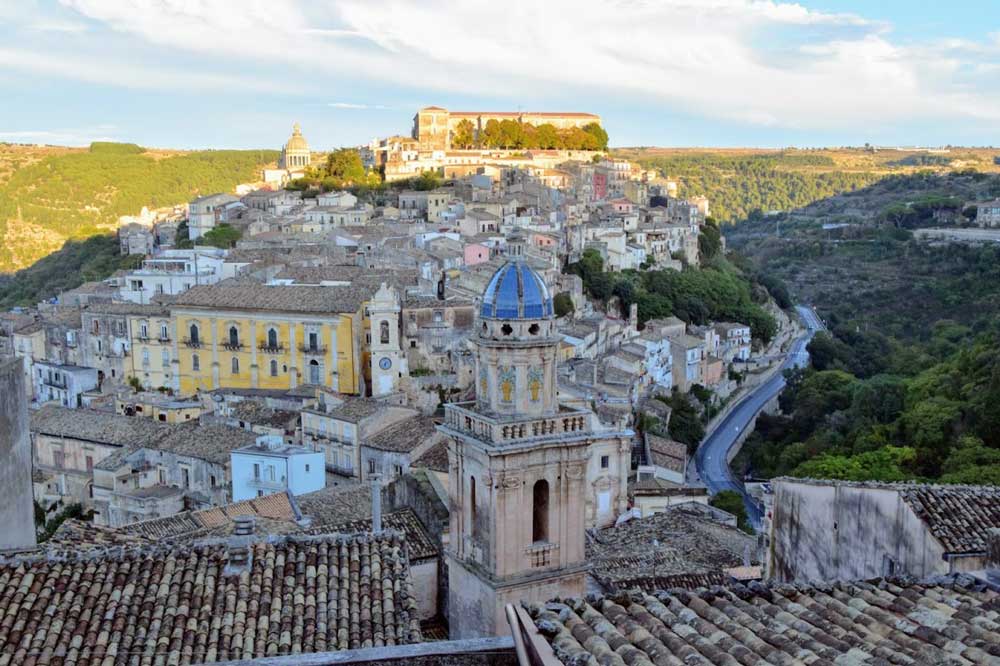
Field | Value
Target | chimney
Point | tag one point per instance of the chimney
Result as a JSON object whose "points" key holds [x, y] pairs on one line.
{"points": [[376, 481], [238, 554], [993, 548]]}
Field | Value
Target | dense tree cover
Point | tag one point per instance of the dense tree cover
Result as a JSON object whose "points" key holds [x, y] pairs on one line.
{"points": [[731, 501], [342, 170], [74, 195], [718, 291], [913, 214], [938, 423], [737, 185], [685, 424], [511, 134], [77, 262], [223, 235]]}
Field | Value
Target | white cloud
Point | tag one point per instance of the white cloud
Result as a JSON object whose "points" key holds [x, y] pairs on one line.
{"points": [[352, 106], [754, 61]]}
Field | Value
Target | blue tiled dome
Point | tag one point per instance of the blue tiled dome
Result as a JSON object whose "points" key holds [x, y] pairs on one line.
{"points": [[516, 292]]}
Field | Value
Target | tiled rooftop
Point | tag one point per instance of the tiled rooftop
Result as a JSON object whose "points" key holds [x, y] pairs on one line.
{"points": [[206, 442], [96, 426], [885, 622], [162, 605], [666, 544], [665, 452], [435, 458], [250, 294], [405, 435]]}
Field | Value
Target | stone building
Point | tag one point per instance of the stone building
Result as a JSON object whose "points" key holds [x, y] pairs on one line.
{"points": [[527, 476], [841, 530], [434, 127], [16, 514], [387, 363]]}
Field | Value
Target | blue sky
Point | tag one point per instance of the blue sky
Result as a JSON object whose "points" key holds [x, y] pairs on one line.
{"points": [[227, 74]]}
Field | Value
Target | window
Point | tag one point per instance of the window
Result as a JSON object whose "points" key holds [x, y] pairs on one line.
{"points": [[540, 511], [98, 346], [256, 471], [185, 477], [143, 330], [165, 358], [162, 474], [274, 368], [97, 327], [307, 467], [260, 493], [371, 466], [313, 341], [145, 358], [384, 332], [313, 372], [605, 462], [195, 363], [194, 334], [163, 417], [397, 470], [236, 366], [270, 472], [472, 506], [90, 463], [234, 337], [272, 339], [438, 316], [163, 332], [211, 480]]}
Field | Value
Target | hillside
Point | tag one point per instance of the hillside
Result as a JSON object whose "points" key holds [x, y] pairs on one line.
{"points": [[905, 385], [741, 183], [50, 195]]}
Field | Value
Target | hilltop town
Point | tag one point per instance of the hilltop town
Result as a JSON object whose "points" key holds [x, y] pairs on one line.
{"points": [[427, 422]]}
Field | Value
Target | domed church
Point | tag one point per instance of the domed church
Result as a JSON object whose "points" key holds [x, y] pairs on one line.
{"points": [[295, 154], [527, 475]]}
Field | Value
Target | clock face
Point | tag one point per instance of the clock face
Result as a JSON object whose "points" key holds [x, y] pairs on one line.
{"points": [[385, 363]]}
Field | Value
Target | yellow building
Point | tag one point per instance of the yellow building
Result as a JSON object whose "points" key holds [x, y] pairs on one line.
{"points": [[152, 337], [245, 334], [158, 406]]}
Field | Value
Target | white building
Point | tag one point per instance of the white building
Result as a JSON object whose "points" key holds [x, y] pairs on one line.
{"points": [[173, 272], [63, 384], [272, 466], [205, 212]]}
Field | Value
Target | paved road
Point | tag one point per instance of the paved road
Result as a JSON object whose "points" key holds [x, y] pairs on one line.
{"points": [[711, 457]]}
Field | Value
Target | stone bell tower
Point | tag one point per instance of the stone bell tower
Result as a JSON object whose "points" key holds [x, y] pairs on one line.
{"points": [[517, 465]]}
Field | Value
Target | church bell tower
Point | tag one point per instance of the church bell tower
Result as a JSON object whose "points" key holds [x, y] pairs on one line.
{"points": [[387, 361], [517, 464]]}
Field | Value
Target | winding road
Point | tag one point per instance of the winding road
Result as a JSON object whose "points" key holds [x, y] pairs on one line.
{"points": [[711, 458]]}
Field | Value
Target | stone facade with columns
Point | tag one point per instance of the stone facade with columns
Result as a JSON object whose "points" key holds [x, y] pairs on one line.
{"points": [[523, 469]]}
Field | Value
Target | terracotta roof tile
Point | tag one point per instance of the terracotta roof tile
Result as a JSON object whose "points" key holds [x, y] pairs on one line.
{"points": [[884, 622]]}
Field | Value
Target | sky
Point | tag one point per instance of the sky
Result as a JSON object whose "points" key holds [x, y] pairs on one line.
{"points": [[238, 73]]}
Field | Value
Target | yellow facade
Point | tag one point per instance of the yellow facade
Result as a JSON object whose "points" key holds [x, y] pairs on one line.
{"points": [[152, 348], [267, 350]]}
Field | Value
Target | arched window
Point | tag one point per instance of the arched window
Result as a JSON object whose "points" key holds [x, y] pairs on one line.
{"points": [[384, 332], [272, 338], [236, 366], [313, 372], [194, 333], [540, 511], [195, 363], [274, 368], [234, 337], [472, 506]]}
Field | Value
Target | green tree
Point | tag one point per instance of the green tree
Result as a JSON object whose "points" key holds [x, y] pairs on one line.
{"points": [[892, 463], [600, 137], [491, 136], [563, 304], [731, 501], [427, 180], [547, 136], [685, 421], [345, 168], [464, 134], [223, 235]]}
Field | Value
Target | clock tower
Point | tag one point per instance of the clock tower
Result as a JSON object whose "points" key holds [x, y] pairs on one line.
{"points": [[387, 361]]}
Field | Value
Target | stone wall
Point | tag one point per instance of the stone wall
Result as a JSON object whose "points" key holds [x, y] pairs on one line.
{"points": [[17, 515]]}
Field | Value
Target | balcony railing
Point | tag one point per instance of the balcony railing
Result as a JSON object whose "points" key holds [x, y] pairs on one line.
{"points": [[313, 349], [270, 349], [230, 346], [463, 419], [327, 436], [541, 554], [55, 383], [193, 344], [271, 484]]}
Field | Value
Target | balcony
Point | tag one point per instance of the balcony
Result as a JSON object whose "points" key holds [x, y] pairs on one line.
{"points": [[462, 418], [270, 349], [313, 350], [163, 338], [193, 344], [541, 554], [230, 346], [54, 383], [266, 484], [326, 436]]}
